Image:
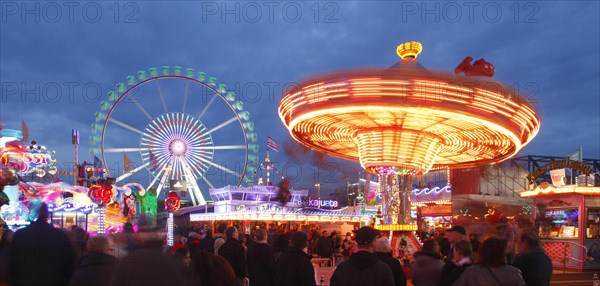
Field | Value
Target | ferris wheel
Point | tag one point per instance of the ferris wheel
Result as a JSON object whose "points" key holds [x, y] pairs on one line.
{"points": [[178, 129]]}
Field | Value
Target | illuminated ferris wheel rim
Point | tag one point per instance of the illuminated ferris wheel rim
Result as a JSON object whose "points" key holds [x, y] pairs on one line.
{"points": [[320, 113], [159, 77], [220, 91]]}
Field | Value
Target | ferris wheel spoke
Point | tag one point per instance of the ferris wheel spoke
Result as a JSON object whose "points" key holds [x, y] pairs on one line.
{"points": [[128, 174], [137, 103], [210, 185], [119, 150], [124, 125], [224, 147], [229, 121], [224, 169], [195, 189], [162, 96], [210, 102], [185, 95]]}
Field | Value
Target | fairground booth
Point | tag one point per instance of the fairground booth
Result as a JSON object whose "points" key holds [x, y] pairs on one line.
{"points": [[569, 215], [259, 206]]}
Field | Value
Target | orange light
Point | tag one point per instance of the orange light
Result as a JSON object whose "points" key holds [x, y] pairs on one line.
{"points": [[396, 227], [409, 49], [411, 119], [549, 190]]}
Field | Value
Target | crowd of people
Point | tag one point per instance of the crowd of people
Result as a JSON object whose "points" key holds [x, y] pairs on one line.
{"points": [[40, 254], [472, 263]]}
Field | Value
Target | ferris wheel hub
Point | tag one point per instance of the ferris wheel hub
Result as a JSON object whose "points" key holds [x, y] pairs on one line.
{"points": [[177, 147]]}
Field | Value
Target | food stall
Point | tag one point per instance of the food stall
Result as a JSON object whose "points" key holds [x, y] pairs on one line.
{"points": [[568, 224]]}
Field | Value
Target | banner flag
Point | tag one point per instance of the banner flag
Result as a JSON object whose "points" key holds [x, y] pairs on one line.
{"points": [[24, 131], [126, 164], [576, 156], [272, 144], [98, 167]]}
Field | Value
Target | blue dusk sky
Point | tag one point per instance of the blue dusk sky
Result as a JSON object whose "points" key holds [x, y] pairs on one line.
{"points": [[58, 60]]}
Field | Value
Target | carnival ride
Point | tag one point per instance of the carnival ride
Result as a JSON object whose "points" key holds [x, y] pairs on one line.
{"points": [[407, 120], [189, 131]]}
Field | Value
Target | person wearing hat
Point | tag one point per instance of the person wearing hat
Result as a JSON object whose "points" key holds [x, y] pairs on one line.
{"points": [[455, 234], [293, 267], [363, 267]]}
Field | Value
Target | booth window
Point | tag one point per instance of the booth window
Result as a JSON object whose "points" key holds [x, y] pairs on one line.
{"points": [[561, 223], [593, 223]]}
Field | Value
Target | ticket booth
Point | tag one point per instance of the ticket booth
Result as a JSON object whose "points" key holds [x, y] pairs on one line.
{"points": [[568, 224]]}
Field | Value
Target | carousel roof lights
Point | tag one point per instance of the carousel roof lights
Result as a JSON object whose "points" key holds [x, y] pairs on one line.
{"points": [[409, 118]]}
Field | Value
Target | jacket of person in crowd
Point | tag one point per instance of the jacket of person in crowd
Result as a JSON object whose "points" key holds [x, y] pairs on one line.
{"points": [[148, 265], [535, 265], [383, 251], [98, 266], [463, 258], [428, 264], [455, 234], [40, 254], [491, 268], [233, 251], [211, 270], [219, 238], [325, 245], [293, 267], [261, 264], [363, 267]]}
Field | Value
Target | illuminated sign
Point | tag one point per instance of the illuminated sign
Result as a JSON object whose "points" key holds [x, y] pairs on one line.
{"points": [[322, 203], [431, 194], [560, 164], [177, 185]]}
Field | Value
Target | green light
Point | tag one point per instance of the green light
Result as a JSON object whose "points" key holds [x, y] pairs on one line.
{"points": [[120, 87], [245, 115], [131, 80], [153, 72], [252, 137], [142, 75], [189, 72], [249, 126], [95, 127], [104, 105], [177, 70], [165, 70], [230, 96], [238, 105], [201, 76], [100, 116], [253, 158], [212, 81], [253, 147], [111, 95], [222, 88], [93, 139]]}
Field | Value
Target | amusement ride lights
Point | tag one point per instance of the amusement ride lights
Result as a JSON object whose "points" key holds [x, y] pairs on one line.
{"points": [[183, 123], [407, 120]]}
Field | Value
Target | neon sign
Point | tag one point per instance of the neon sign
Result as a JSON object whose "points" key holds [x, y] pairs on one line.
{"points": [[322, 203]]}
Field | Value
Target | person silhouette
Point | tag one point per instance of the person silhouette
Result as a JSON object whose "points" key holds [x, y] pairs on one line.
{"points": [[40, 254]]}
